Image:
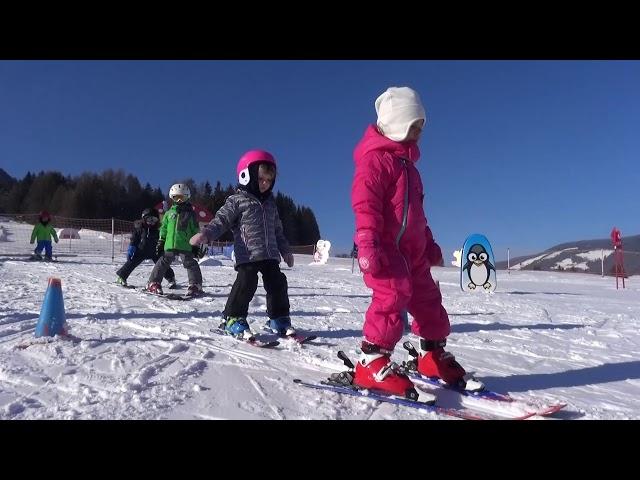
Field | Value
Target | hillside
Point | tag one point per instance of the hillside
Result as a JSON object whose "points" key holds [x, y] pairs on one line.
{"points": [[581, 256]]}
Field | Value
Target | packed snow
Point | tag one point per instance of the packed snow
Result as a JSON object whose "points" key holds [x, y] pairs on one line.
{"points": [[593, 255], [523, 264], [568, 263], [542, 336]]}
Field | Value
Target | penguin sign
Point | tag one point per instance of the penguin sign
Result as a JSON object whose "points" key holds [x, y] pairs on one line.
{"points": [[477, 270]]}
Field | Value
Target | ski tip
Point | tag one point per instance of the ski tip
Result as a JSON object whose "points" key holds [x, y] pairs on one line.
{"points": [[524, 416], [301, 338], [551, 409], [258, 343], [297, 380]]}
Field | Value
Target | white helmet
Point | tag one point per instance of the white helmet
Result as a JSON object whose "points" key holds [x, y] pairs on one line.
{"points": [[179, 193]]}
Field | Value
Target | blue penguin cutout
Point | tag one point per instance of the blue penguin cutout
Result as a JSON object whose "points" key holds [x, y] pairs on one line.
{"points": [[477, 265]]}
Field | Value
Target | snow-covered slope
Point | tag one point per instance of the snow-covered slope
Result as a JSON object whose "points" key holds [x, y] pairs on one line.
{"points": [[570, 337]]}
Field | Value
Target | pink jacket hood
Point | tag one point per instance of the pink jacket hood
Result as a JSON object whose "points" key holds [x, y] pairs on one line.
{"points": [[379, 187], [387, 198], [373, 140]]}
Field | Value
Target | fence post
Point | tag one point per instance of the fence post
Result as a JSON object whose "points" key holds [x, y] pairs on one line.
{"points": [[602, 262], [113, 238]]}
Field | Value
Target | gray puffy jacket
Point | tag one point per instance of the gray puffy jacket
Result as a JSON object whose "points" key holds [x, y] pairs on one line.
{"points": [[256, 227]]}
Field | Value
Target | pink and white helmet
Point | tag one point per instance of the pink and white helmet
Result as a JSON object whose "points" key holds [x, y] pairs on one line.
{"points": [[249, 158]]}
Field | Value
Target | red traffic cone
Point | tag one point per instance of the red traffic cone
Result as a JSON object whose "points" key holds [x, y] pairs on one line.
{"points": [[52, 318]]}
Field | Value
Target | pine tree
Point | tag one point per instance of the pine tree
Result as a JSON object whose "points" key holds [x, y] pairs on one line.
{"points": [[307, 226], [287, 213], [114, 193]]}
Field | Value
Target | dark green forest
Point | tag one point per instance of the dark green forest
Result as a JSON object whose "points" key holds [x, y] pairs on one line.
{"points": [[116, 194]]}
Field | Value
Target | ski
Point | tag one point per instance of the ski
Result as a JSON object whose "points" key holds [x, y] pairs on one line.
{"points": [[490, 395], [301, 339], [178, 296], [253, 341], [35, 258], [374, 395], [172, 296], [296, 337], [483, 394], [469, 410]]}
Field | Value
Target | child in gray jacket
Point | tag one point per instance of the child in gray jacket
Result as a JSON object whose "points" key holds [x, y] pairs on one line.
{"points": [[259, 244]]}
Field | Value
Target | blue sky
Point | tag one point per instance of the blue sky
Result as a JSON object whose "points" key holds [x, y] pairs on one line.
{"points": [[529, 153]]}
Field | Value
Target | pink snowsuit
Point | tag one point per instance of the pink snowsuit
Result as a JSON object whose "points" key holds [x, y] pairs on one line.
{"points": [[387, 189]]}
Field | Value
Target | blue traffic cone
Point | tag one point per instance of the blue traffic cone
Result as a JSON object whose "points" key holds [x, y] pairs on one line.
{"points": [[52, 319]]}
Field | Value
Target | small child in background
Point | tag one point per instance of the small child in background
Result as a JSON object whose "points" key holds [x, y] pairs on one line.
{"points": [[43, 231], [259, 242], [142, 246], [179, 224]]}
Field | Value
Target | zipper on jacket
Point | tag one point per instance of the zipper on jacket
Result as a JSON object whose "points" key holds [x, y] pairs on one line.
{"points": [[175, 229], [405, 208], [266, 234], [405, 212], [244, 237], [264, 224]]}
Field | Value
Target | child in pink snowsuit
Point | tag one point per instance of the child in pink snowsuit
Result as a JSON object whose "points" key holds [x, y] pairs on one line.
{"points": [[396, 248]]}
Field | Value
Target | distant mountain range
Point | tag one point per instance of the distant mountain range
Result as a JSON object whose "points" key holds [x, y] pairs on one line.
{"points": [[581, 256]]}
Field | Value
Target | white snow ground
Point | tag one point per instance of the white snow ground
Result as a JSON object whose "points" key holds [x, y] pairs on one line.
{"points": [[551, 336]]}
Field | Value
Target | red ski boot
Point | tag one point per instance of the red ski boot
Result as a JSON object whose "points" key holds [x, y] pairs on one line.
{"points": [[433, 361], [376, 371], [154, 287]]}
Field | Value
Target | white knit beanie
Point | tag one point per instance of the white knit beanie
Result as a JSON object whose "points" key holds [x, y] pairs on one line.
{"points": [[397, 109]]}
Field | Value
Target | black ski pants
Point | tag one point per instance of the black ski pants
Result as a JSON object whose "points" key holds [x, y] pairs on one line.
{"points": [[137, 259], [275, 284]]}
